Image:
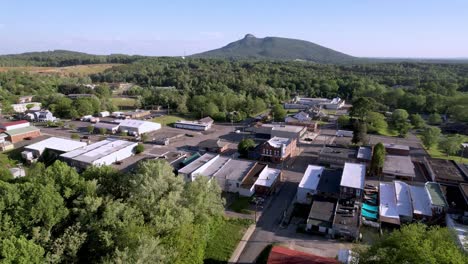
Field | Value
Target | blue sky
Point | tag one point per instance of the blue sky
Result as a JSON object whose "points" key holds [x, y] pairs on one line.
{"points": [[378, 28]]}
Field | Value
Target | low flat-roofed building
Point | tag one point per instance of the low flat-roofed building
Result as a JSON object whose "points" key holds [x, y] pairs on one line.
{"points": [[278, 149], [247, 187], [19, 134], [421, 202], [213, 145], [398, 167], [395, 149], [403, 199], [347, 219], [439, 204], [329, 184], [104, 152], [174, 158], [25, 99], [7, 126], [109, 127], [267, 180], [138, 127], [308, 185], [55, 144], [137, 114], [336, 157], [364, 154], [285, 131], [213, 166], [192, 125], [388, 209], [352, 180], [186, 171], [321, 216], [444, 171]]}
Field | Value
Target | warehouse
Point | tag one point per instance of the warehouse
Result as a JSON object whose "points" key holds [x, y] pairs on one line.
{"points": [[54, 144], [138, 127], [19, 130], [111, 128], [104, 152]]}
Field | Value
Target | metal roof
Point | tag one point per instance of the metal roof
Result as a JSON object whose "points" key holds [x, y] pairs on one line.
{"points": [[56, 143], [420, 200], [311, 177], [22, 130], [235, 169], [403, 198], [353, 175], [97, 150], [388, 207], [364, 153], [267, 177], [191, 167], [435, 194]]}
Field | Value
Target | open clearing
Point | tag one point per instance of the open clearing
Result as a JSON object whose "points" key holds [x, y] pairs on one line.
{"points": [[167, 120], [77, 69], [123, 102]]}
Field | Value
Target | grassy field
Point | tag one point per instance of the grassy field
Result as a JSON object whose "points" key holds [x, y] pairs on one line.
{"points": [[167, 120], [436, 153], [123, 102], [388, 132], [77, 70], [226, 237], [240, 205]]}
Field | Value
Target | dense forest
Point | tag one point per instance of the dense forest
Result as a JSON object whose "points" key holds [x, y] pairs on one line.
{"points": [[55, 215]]}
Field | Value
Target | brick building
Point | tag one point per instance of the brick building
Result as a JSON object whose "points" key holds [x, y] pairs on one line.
{"points": [[17, 131], [278, 149]]}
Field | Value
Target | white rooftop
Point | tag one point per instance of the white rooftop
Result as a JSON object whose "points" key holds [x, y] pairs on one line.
{"points": [[353, 175], [98, 150], [133, 123], [396, 146], [194, 165], [287, 128], [403, 198], [388, 207], [235, 169], [420, 200], [311, 177], [56, 143], [278, 142], [267, 177]]}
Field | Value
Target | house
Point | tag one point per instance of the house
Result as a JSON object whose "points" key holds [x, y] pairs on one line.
{"points": [[54, 145], [335, 103], [110, 128], [23, 107], [137, 114], [138, 127], [261, 180], [104, 114], [439, 204], [44, 116], [321, 217], [364, 154], [336, 157], [213, 145], [200, 125], [278, 149], [352, 181], [398, 167], [403, 201], [104, 152], [19, 130], [283, 255], [388, 210], [309, 183], [25, 99], [395, 149], [4, 143], [420, 202], [302, 119], [446, 172]]}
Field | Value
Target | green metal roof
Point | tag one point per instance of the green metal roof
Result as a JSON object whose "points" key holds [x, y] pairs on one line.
{"points": [[435, 194], [22, 130], [191, 158]]}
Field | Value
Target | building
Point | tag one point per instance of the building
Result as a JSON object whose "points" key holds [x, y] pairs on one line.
{"points": [[138, 127], [347, 219], [335, 103], [364, 155], [105, 152], [17, 172], [23, 107], [344, 133], [104, 114], [283, 255], [446, 172], [398, 167], [278, 149], [395, 149], [110, 128], [321, 217], [231, 173], [213, 145], [43, 116], [438, 203], [294, 106], [17, 131], [4, 143], [302, 119], [403, 201], [420, 202], [352, 181], [267, 131], [174, 158], [200, 125], [54, 145], [388, 210], [260, 180], [329, 184], [309, 183], [25, 99], [336, 157], [187, 171], [137, 114]]}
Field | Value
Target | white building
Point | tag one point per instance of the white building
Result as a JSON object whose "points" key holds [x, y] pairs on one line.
{"points": [[138, 127], [335, 103], [56, 144], [23, 107], [308, 185], [105, 152], [230, 175], [388, 209], [420, 202], [352, 180], [104, 114], [8, 126], [192, 125], [187, 171], [403, 199], [109, 127]]}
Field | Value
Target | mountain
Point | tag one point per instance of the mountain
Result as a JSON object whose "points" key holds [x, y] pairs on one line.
{"points": [[251, 47]]}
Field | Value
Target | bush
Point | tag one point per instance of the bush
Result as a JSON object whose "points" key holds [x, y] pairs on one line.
{"points": [[139, 148], [75, 136]]}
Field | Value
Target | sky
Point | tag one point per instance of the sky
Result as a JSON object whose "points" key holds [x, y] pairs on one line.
{"points": [[372, 28]]}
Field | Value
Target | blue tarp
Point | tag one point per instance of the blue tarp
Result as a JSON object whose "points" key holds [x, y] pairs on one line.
{"points": [[370, 208], [369, 215]]}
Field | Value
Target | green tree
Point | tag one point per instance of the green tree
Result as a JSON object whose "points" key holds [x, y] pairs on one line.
{"points": [[139, 148], [362, 106], [378, 159], [417, 121], [278, 112], [414, 243], [434, 119], [245, 145], [376, 122], [430, 136], [102, 131], [359, 133], [343, 121], [75, 136], [20, 250], [90, 129], [400, 121], [451, 145]]}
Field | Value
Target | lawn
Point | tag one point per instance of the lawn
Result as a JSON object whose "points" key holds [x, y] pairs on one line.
{"points": [[241, 205], [227, 235], [167, 120], [436, 153], [77, 69], [123, 102], [387, 132]]}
